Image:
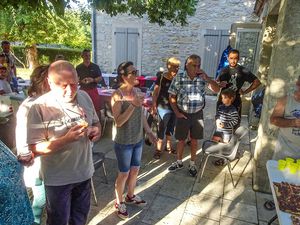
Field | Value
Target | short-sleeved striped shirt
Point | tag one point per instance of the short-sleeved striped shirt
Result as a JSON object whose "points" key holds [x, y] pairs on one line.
{"points": [[190, 93]]}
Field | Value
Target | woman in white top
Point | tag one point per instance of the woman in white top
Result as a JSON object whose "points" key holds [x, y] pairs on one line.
{"points": [[39, 86]]}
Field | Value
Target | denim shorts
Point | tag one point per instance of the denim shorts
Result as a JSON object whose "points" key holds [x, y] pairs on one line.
{"points": [[128, 155]]}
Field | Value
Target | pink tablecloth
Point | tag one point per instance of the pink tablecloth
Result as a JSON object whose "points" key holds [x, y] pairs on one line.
{"points": [[142, 80], [106, 94]]}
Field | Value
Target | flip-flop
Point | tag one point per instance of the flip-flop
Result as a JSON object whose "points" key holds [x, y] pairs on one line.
{"points": [[269, 205]]}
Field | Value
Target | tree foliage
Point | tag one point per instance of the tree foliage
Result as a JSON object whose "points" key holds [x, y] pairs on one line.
{"points": [[32, 26], [158, 11], [42, 27]]}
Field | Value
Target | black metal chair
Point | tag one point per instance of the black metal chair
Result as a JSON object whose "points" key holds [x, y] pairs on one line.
{"points": [[98, 161], [226, 151]]}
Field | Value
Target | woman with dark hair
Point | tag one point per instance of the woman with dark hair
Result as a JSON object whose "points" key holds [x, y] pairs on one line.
{"points": [[130, 120], [39, 85]]}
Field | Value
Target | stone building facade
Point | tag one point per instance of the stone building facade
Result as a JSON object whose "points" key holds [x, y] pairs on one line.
{"points": [[155, 44], [278, 67]]}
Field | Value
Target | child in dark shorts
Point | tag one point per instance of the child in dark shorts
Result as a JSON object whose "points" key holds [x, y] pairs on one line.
{"points": [[227, 117]]}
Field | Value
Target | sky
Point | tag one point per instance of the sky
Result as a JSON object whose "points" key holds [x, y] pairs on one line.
{"points": [[81, 2]]}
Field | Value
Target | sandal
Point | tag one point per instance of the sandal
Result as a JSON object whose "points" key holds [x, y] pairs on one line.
{"points": [[170, 150], [219, 162], [269, 205], [157, 154]]}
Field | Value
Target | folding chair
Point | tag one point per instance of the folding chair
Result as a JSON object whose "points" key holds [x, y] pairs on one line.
{"points": [[226, 151], [98, 161]]}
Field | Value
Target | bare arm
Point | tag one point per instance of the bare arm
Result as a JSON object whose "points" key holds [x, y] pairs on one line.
{"points": [[173, 103], [15, 70], [277, 117], [148, 130], [252, 87], [212, 84], [100, 80], [94, 132], [121, 118], [47, 147], [154, 98]]}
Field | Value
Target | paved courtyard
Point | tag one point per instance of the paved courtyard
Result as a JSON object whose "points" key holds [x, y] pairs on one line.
{"points": [[176, 198]]}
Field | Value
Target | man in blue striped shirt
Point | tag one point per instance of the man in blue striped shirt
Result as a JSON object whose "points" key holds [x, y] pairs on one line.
{"points": [[187, 99]]}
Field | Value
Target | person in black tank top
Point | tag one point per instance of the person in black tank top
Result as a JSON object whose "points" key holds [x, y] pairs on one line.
{"points": [[161, 106]]}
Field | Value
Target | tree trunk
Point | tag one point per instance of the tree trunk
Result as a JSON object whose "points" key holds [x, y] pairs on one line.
{"points": [[32, 56]]}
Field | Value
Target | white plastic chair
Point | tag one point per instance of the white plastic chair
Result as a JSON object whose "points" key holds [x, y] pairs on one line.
{"points": [[226, 151]]}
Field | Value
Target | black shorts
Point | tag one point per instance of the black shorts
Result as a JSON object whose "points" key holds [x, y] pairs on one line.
{"points": [[193, 124]]}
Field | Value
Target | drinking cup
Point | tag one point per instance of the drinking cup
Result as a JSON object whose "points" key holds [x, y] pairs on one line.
{"points": [[25, 156], [281, 164], [289, 160], [293, 167]]}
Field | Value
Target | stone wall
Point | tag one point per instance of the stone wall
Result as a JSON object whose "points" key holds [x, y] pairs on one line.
{"points": [[158, 43], [279, 67]]}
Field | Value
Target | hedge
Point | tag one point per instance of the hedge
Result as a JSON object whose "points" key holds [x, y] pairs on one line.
{"points": [[47, 55]]}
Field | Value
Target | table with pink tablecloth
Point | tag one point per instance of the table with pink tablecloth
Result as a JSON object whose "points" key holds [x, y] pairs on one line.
{"points": [[106, 94], [143, 81]]}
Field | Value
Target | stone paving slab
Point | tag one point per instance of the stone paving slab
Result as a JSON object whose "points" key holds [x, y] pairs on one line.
{"points": [[176, 186], [264, 214], [236, 210], [265, 223], [204, 206], [243, 192], [189, 219], [212, 183], [229, 221], [165, 210], [243, 167]]}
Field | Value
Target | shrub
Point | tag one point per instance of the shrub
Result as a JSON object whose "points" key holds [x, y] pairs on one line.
{"points": [[47, 55]]}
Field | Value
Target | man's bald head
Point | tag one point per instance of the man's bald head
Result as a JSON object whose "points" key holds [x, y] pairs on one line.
{"points": [[61, 68], [63, 80]]}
